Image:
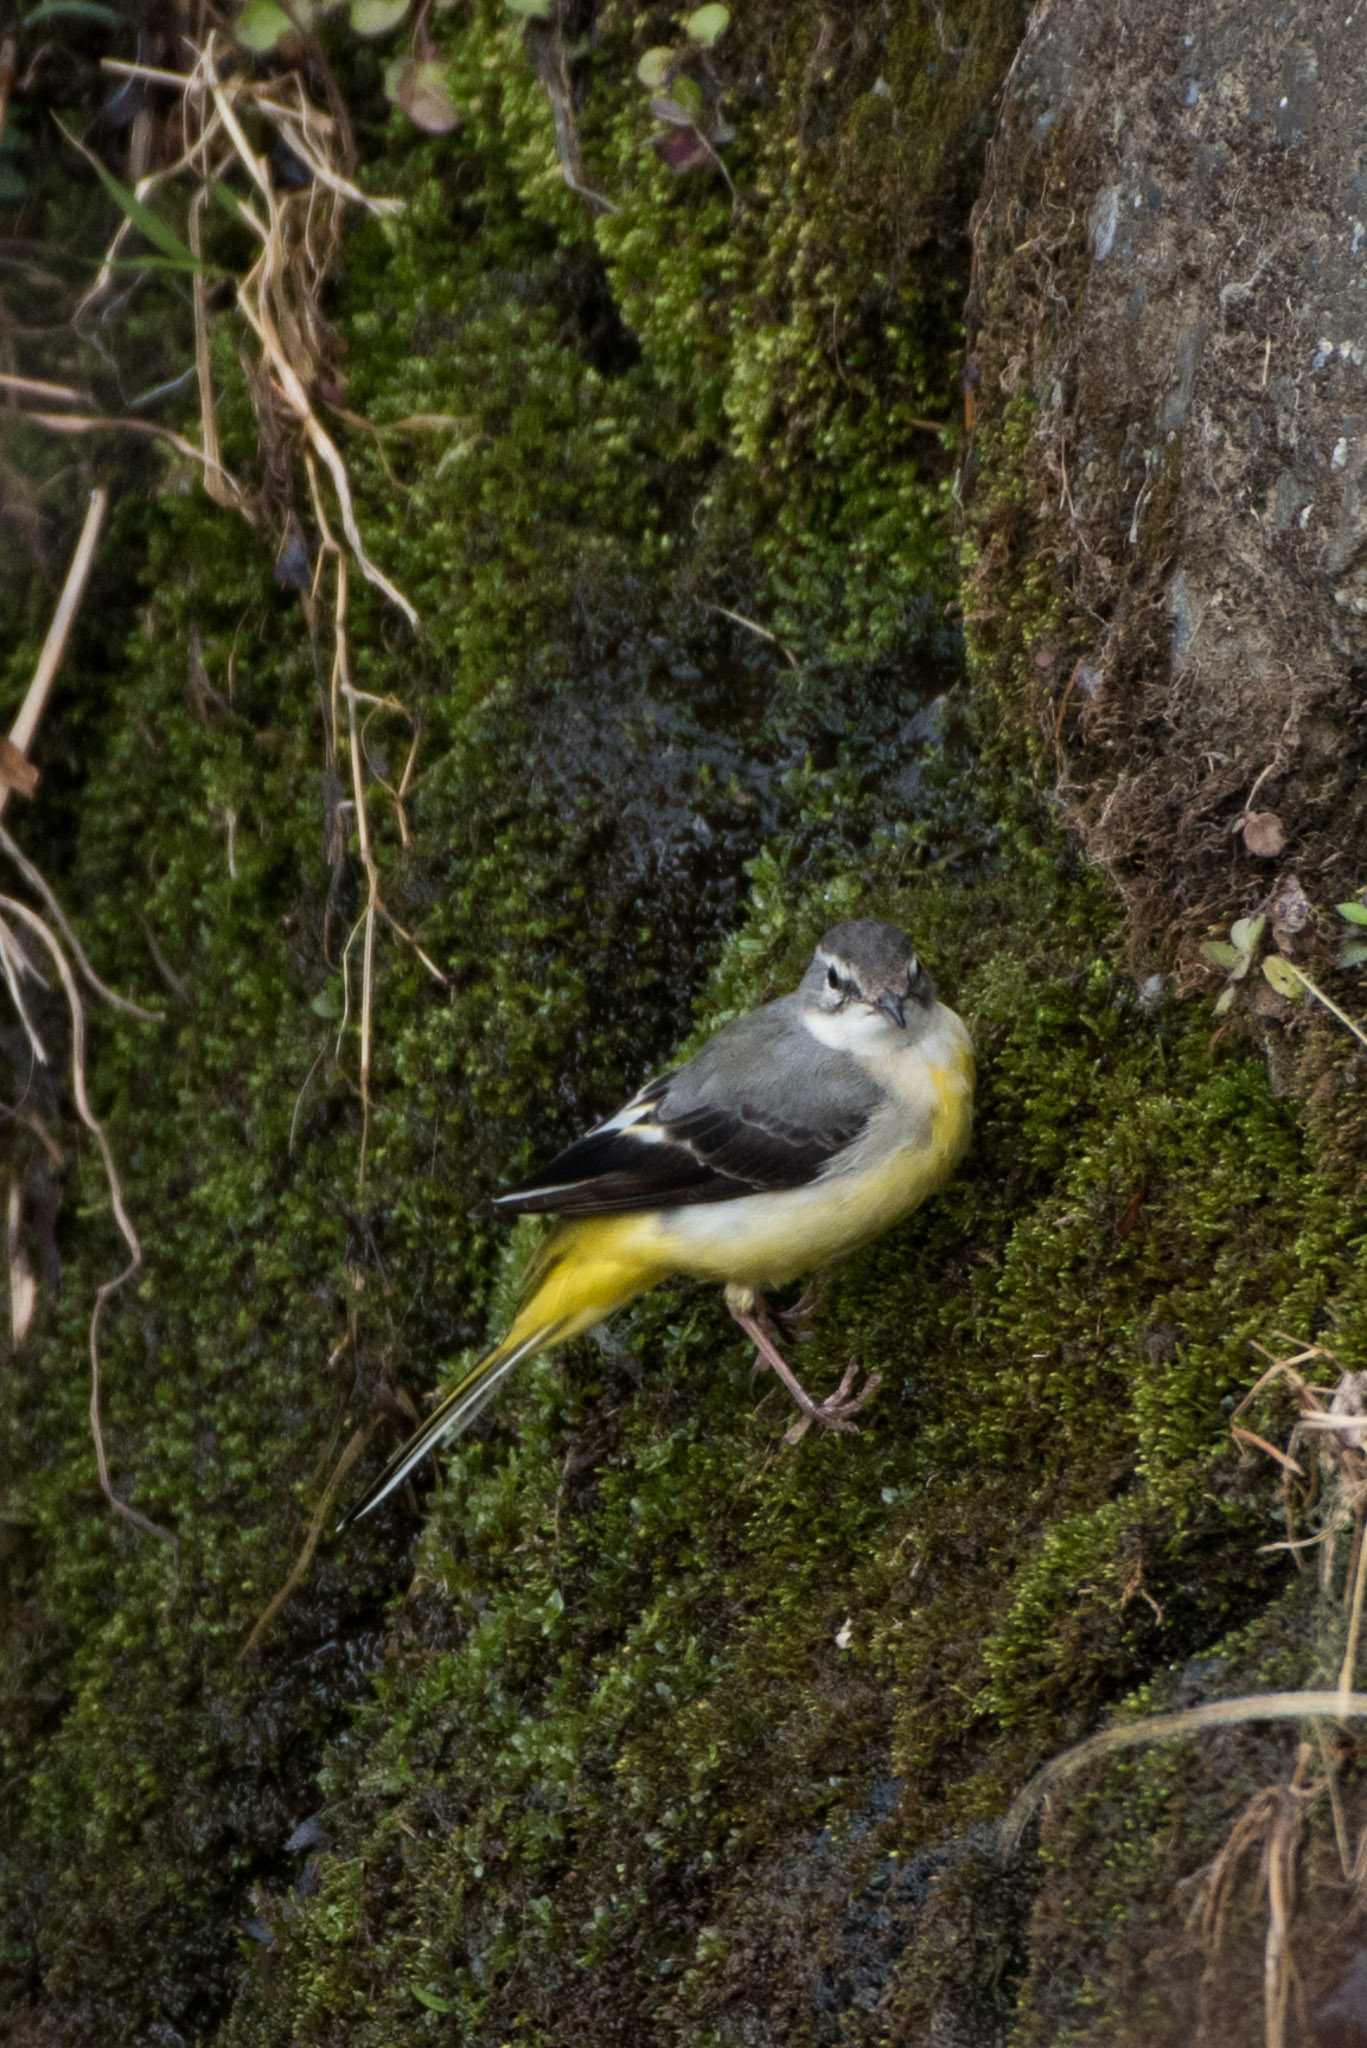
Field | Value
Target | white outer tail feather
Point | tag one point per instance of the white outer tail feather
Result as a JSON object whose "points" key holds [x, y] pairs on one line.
{"points": [[451, 1419]]}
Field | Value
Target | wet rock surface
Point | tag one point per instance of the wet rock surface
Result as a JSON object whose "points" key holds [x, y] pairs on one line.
{"points": [[1171, 284]]}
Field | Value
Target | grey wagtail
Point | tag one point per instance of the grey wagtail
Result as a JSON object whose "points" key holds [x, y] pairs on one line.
{"points": [[797, 1134]]}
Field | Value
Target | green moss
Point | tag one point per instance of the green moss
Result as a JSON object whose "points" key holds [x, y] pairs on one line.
{"points": [[667, 1650]]}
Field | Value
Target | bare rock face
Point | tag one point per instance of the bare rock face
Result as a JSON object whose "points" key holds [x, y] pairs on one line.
{"points": [[1169, 335]]}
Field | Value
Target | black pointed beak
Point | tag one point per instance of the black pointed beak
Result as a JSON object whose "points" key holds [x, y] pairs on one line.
{"points": [[893, 1007]]}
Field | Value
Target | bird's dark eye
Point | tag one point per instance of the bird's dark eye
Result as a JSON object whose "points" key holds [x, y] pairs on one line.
{"points": [[832, 978]]}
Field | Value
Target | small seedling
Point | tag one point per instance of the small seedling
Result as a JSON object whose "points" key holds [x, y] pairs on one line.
{"points": [[262, 25], [1353, 951], [416, 84], [686, 94], [1293, 983], [1237, 954]]}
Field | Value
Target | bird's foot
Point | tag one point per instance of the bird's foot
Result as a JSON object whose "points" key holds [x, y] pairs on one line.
{"points": [[798, 1319], [835, 1411]]}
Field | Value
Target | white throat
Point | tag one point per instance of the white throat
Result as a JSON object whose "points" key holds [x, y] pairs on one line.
{"points": [[855, 1029]]}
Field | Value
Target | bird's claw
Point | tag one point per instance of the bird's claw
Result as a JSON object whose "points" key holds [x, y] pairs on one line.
{"points": [[799, 1319], [836, 1410]]}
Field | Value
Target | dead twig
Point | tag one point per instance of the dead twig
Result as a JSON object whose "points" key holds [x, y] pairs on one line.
{"points": [[59, 630]]}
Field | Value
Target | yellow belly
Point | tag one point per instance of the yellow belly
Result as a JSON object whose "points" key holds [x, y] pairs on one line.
{"points": [[767, 1240]]}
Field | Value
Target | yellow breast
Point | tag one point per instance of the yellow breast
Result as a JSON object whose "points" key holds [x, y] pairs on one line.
{"points": [[914, 1141]]}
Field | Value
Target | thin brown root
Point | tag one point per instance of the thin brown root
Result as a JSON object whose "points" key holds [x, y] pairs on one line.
{"points": [[108, 1288], [342, 687], [1268, 1706], [40, 886], [225, 494], [226, 117], [92, 423], [253, 299], [299, 1101], [15, 964], [342, 692], [299, 1570], [761, 632], [1348, 1668], [41, 387]]}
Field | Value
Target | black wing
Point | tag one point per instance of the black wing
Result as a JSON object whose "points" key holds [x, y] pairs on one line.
{"points": [[655, 1154]]}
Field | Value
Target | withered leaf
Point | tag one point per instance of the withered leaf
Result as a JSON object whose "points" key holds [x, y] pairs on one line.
{"points": [[1264, 834], [16, 769]]}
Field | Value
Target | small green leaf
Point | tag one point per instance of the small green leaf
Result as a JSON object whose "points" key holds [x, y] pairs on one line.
{"points": [[1353, 953], [1224, 999], [229, 201], [1220, 953], [180, 263], [688, 93], [261, 25], [706, 24], [1245, 932], [377, 17], [430, 1999], [656, 65], [158, 232], [1284, 977], [420, 89], [80, 10], [1354, 913], [328, 1001], [681, 106]]}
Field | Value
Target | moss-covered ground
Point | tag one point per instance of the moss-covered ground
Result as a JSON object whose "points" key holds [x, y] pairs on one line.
{"points": [[638, 1726]]}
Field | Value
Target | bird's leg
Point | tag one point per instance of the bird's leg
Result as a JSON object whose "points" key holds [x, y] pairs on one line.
{"points": [[836, 1410]]}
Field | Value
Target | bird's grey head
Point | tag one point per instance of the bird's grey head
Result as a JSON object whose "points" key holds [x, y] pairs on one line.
{"points": [[864, 983]]}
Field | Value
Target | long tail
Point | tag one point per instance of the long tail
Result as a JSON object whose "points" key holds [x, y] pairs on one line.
{"points": [[585, 1270]]}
